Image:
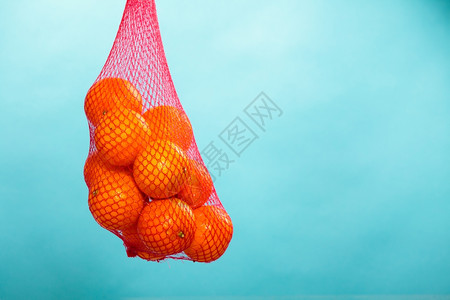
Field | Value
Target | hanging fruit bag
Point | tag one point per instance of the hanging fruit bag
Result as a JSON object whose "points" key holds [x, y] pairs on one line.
{"points": [[147, 181]]}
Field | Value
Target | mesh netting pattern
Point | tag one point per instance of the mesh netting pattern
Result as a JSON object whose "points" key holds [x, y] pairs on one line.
{"points": [[147, 181]]}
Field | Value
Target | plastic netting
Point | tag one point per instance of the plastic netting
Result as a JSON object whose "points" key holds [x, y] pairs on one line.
{"points": [[147, 181]]}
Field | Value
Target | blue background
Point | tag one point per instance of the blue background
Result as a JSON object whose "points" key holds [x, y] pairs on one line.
{"points": [[346, 193]]}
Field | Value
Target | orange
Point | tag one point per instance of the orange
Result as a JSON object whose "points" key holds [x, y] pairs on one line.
{"points": [[213, 234], [134, 244], [131, 238], [95, 168], [198, 186], [150, 256], [160, 170], [115, 201], [169, 123], [108, 94], [120, 136], [166, 226]]}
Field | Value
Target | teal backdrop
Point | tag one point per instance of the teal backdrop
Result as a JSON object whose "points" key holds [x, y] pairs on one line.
{"points": [[346, 193]]}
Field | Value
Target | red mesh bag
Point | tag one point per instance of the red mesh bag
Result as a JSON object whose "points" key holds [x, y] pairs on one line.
{"points": [[147, 181]]}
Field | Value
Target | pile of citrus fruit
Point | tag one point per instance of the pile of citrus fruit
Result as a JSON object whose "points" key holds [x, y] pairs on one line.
{"points": [[143, 185]]}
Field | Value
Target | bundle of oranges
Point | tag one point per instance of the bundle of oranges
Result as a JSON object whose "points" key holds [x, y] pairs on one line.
{"points": [[143, 186]]}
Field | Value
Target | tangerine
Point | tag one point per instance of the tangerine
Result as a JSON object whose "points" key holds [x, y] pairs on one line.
{"points": [[150, 256], [95, 168], [169, 123], [166, 226], [135, 245], [120, 136], [115, 201], [198, 186], [160, 169], [108, 94], [212, 236]]}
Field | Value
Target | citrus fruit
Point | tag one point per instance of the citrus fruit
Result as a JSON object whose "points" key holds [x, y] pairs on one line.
{"points": [[120, 136], [95, 168], [108, 94], [166, 226], [160, 169], [131, 238], [198, 186], [150, 256], [169, 123], [115, 201], [212, 236], [135, 245]]}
